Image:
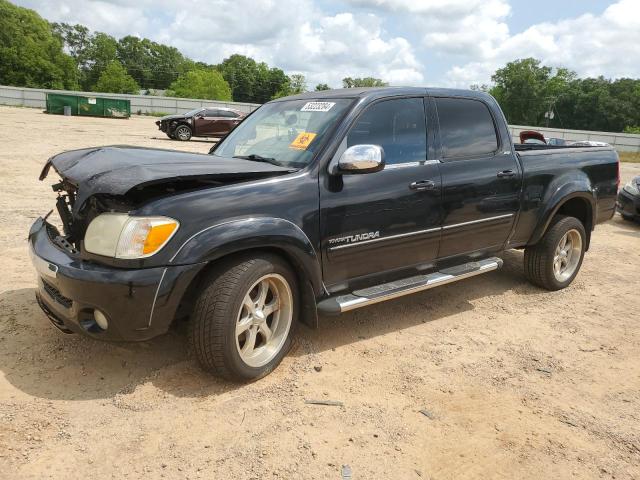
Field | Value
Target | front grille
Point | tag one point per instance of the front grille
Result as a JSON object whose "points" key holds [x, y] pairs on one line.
{"points": [[54, 293]]}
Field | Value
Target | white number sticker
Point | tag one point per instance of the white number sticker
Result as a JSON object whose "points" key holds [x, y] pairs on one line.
{"points": [[317, 106]]}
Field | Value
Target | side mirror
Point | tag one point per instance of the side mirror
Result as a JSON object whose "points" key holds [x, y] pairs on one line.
{"points": [[361, 159]]}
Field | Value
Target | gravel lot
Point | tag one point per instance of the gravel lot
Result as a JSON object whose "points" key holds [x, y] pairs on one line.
{"points": [[516, 382]]}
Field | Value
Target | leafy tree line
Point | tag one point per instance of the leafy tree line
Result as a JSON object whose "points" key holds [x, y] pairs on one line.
{"points": [[534, 94], [35, 53]]}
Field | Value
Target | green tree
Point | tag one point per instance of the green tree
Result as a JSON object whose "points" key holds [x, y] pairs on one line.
{"points": [[295, 84], [100, 54], [322, 86], [153, 65], [526, 90], [115, 79], [349, 82], [92, 52], [251, 81], [30, 54], [201, 83]]}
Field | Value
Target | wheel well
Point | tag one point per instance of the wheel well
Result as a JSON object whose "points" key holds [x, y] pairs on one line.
{"points": [[307, 296], [581, 209]]}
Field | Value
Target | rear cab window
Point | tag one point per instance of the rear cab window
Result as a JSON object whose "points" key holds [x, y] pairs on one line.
{"points": [[466, 128]]}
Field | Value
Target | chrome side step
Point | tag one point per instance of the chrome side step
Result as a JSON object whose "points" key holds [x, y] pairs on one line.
{"points": [[406, 286]]}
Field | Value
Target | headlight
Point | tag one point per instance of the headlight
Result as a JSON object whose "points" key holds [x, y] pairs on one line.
{"points": [[119, 235], [632, 188]]}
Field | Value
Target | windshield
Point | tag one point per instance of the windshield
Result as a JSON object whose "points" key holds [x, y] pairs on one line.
{"points": [[287, 133]]}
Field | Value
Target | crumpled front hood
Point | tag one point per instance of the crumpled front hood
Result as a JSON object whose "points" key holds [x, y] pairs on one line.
{"points": [[117, 169], [171, 117]]}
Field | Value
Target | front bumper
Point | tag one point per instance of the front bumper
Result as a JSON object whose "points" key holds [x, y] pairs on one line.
{"points": [[138, 303], [162, 126], [628, 205]]}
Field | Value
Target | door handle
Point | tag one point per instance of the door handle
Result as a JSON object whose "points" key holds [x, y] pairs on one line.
{"points": [[506, 174], [423, 185]]}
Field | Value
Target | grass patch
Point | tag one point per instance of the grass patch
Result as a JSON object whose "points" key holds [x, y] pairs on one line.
{"points": [[152, 114], [631, 157]]}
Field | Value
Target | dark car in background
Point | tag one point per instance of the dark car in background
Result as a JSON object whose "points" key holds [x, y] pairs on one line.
{"points": [[201, 122], [628, 203]]}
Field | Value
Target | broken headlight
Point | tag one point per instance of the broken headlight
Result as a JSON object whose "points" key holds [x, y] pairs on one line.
{"points": [[119, 235]]}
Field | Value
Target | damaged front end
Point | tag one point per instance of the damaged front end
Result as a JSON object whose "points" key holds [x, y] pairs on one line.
{"points": [[122, 179]]}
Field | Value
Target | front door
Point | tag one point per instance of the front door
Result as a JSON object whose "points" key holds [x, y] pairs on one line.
{"points": [[374, 225], [480, 176], [205, 122]]}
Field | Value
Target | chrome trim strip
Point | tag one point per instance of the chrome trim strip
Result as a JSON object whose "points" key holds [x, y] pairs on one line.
{"points": [[155, 297], [375, 240], [473, 222], [411, 164], [351, 302], [418, 232]]}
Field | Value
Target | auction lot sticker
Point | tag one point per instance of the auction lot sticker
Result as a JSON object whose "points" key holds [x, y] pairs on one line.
{"points": [[317, 106], [302, 141]]}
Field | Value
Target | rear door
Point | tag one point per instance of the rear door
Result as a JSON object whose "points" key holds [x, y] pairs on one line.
{"points": [[375, 224], [481, 178], [227, 121]]}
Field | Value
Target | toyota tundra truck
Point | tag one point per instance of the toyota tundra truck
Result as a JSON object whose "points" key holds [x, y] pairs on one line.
{"points": [[319, 203]]}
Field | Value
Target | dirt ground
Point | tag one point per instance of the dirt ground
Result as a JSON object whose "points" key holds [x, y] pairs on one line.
{"points": [[515, 382]]}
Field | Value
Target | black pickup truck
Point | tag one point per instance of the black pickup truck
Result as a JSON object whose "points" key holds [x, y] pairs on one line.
{"points": [[322, 202]]}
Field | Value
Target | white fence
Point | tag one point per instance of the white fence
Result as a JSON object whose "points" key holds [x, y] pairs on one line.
{"points": [[624, 142], [36, 97]]}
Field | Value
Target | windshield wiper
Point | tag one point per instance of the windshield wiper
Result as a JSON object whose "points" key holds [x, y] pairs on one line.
{"points": [[258, 158]]}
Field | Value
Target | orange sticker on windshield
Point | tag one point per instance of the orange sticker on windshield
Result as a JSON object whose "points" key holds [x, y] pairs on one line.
{"points": [[302, 141]]}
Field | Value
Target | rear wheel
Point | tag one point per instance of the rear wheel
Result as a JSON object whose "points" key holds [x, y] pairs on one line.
{"points": [[243, 320], [182, 132], [555, 260]]}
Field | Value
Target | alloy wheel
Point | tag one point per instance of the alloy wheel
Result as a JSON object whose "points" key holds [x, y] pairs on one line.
{"points": [[264, 320]]}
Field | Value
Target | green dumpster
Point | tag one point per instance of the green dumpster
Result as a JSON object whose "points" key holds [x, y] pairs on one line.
{"points": [[88, 106]]}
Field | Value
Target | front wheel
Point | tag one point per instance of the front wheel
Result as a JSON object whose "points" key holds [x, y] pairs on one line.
{"points": [[242, 323], [183, 133], [555, 260]]}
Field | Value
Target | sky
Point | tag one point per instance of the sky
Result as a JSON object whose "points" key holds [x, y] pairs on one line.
{"points": [[454, 43]]}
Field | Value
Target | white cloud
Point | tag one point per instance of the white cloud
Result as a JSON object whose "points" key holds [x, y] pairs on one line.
{"points": [[294, 35], [435, 42], [591, 45]]}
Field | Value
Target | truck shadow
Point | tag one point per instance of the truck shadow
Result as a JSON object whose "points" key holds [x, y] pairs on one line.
{"points": [[405, 312], [40, 361]]}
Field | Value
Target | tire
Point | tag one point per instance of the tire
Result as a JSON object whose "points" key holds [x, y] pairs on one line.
{"points": [[222, 325], [182, 133], [550, 265]]}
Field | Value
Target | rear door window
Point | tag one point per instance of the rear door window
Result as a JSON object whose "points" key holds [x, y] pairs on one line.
{"points": [[466, 127], [397, 125], [227, 114]]}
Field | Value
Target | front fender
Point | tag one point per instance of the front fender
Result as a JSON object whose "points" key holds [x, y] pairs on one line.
{"points": [[561, 191], [233, 236]]}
